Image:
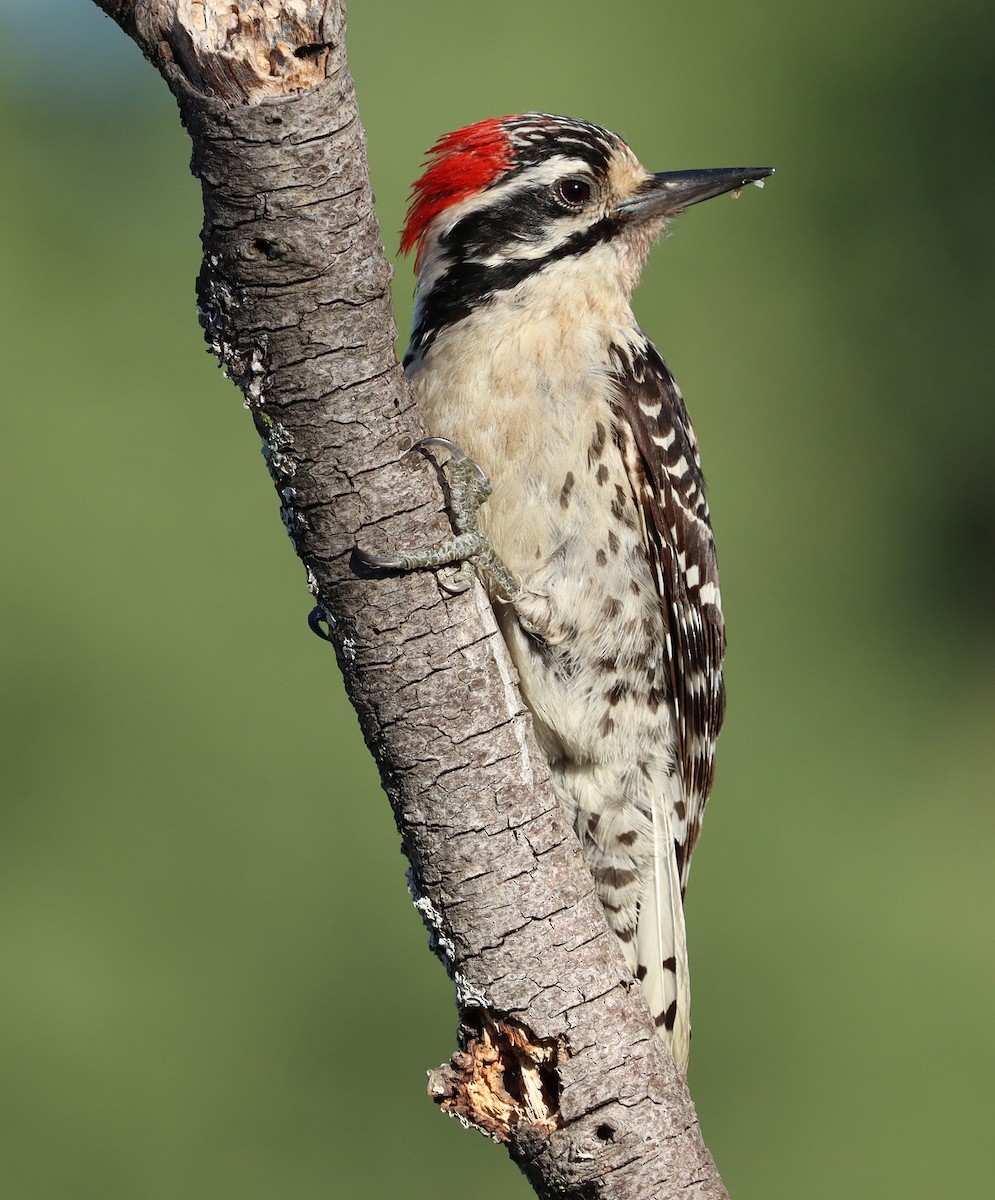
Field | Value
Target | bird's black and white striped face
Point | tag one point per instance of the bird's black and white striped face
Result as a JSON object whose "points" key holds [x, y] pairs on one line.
{"points": [[560, 196], [507, 199]]}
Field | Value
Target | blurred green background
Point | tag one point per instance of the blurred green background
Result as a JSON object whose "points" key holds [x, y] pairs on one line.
{"points": [[213, 983]]}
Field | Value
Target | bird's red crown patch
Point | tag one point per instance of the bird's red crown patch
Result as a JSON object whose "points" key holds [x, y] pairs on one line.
{"points": [[460, 164]]}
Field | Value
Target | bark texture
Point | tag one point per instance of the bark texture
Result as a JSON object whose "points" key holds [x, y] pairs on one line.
{"points": [[558, 1057]]}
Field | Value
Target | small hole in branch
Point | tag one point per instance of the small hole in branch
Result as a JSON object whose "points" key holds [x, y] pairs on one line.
{"points": [[312, 49]]}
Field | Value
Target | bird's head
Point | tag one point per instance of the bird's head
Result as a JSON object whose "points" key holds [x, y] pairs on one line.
{"points": [[506, 198]]}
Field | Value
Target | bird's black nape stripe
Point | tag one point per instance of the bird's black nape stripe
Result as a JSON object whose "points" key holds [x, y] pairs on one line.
{"points": [[468, 285]]}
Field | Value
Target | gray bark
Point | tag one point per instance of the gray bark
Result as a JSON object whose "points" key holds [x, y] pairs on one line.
{"points": [[558, 1057]]}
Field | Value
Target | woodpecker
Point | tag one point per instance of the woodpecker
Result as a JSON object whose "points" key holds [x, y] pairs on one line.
{"points": [[530, 234]]}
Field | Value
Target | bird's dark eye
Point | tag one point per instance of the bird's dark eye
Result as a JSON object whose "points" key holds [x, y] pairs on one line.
{"points": [[574, 190]]}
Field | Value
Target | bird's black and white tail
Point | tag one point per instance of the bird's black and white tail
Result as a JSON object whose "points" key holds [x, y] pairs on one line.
{"points": [[629, 849], [661, 944]]}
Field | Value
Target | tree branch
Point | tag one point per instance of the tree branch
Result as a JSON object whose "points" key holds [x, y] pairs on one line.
{"points": [[558, 1056]]}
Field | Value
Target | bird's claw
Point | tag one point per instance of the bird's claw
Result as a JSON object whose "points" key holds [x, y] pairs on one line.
{"points": [[457, 454], [463, 581], [375, 562], [468, 487], [320, 623]]}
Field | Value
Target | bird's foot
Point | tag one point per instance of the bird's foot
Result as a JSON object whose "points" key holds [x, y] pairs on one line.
{"points": [[469, 487]]}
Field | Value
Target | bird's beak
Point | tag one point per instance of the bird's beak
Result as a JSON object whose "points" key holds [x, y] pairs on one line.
{"points": [[670, 192]]}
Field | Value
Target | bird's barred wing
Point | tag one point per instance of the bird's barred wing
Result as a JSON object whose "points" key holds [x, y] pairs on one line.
{"points": [[665, 470]]}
